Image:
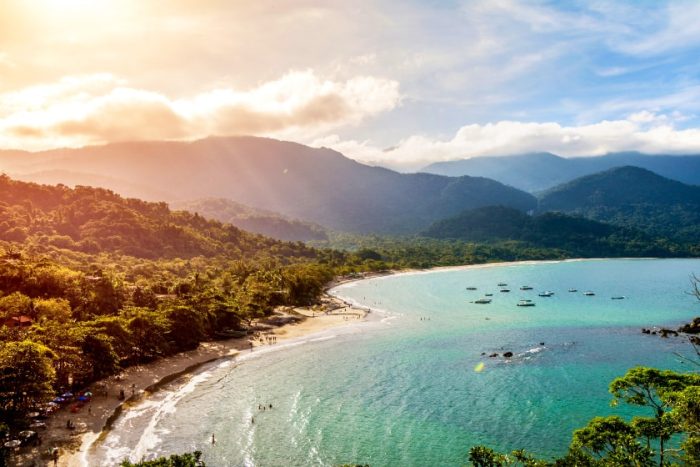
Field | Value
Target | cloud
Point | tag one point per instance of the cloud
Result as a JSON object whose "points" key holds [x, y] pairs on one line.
{"points": [[644, 132], [102, 108]]}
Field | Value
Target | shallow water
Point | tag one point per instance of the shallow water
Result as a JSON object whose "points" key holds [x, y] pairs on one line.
{"points": [[401, 390]]}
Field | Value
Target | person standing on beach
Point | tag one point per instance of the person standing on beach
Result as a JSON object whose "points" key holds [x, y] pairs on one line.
{"points": [[213, 439]]}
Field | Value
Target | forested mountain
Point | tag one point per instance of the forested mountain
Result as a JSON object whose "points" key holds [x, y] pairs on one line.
{"points": [[254, 220], [317, 185], [540, 171], [94, 220], [632, 197], [575, 235]]}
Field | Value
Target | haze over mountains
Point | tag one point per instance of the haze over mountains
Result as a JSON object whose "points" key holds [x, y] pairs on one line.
{"points": [[317, 185], [540, 171]]}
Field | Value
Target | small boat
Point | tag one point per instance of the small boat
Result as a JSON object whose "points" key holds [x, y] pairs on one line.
{"points": [[488, 294], [620, 297], [525, 302], [546, 294], [483, 301], [573, 290], [525, 287], [589, 293], [505, 290], [502, 284], [471, 288]]}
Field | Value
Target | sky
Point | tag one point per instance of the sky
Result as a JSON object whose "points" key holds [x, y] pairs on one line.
{"points": [[401, 83]]}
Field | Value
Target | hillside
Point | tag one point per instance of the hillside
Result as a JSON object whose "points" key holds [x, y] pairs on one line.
{"points": [[254, 220], [632, 197], [575, 235], [540, 171], [316, 185], [94, 220]]}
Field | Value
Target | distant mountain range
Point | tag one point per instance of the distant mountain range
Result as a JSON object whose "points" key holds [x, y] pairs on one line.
{"points": [[540, 171], [575, 235], [254, 220], [315, 185], [631, 197]]}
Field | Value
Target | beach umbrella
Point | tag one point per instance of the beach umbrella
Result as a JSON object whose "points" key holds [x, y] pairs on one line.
{"points": [[27, 434], [15, 443], [67, 395], [38, 425], [34, 414], [58, 400], [83, 399], [88, 394]]}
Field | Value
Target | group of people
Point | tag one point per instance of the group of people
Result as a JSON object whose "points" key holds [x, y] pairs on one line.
{"points": [[423, 318]]}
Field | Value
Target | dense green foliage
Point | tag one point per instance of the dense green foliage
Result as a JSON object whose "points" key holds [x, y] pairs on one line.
{"points": [[254, 220], [540, 171], [631, 197], [674, 401], [575, 236], [190, 459], [316, 185]]}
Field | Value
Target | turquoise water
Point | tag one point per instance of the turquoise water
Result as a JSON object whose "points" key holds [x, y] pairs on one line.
{"points": [[398, 390]]}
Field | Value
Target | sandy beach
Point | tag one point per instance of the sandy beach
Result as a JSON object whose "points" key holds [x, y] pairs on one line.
{"points": [[138, 382]]}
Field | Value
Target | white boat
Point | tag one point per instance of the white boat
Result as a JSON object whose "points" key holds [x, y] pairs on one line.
{"points": [[620, 297], [504, 290], [546, 294], [525, 302], [589, 293], [525, 287], [573, 290], [483, 301], [488, 294], [471, 288], [502, 284]]}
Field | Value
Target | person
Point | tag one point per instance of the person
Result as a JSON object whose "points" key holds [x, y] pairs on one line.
{"points": [[213, 439], [54, 454], [252, 420], [270, 406]]}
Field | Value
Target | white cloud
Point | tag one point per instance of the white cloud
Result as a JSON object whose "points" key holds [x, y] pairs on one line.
{"points": [[102, 108], [645, 132]]}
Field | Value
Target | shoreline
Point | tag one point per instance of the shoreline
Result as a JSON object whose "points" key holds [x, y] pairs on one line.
{"points": [[95, 420], [152, 377]]}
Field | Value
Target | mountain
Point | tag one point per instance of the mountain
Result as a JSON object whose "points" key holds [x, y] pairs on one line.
{"points": [[631, 197], [95, 220], [575, 235], [316, 185], [540, 171], [254, 220]]}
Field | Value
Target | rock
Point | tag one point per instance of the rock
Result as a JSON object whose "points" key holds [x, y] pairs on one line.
{"points": [[483, 353], [508, 354], [653, 333], [668, 332], [541, 343], [493, 355], [691, 328], [646, 331]]}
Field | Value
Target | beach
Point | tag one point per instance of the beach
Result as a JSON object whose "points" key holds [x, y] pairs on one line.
{"points": [[139, 381]]}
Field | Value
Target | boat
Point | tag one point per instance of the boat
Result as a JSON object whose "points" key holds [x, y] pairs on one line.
{"points": [[505, 290], [525, 302], [471, 288], [620, 297], [502, 284], [573, 290], [546, 294], [483, 301], [489, 294], [589, 293], [525, 287]]}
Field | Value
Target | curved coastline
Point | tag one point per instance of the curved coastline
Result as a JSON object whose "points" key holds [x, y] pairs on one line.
{"points": [[76, 453]]}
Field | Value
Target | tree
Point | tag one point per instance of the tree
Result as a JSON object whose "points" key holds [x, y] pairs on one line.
{"points": [[99, 356], [15, 304], [646, 387], [26, 375], [611, 441], [55, 309], [190, 459]]}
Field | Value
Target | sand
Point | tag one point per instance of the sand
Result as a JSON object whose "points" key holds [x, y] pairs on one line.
{"points": [[138, 382]]}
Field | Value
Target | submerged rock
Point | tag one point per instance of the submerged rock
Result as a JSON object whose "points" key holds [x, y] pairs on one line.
{"points": [[691, 328], [493, 355], [508, 354]]}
